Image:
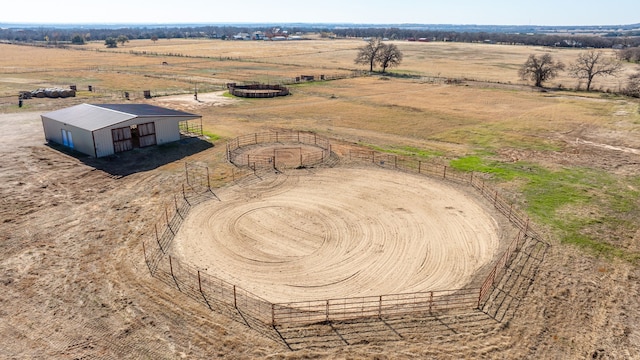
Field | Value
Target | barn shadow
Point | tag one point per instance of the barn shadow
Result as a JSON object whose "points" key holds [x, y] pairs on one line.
{"points": [[140, 159]]}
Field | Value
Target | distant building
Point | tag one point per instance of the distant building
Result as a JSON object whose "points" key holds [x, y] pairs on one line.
{"points": [[241, 36]]}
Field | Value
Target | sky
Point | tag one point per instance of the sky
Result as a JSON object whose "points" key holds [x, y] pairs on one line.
{"points": [[459, 12]]}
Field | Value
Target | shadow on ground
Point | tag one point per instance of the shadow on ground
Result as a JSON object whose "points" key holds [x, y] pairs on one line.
{"points": [[503, 304], [140, 159]]}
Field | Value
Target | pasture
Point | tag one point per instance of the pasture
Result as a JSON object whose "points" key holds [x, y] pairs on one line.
{"points": [[72, 271]]}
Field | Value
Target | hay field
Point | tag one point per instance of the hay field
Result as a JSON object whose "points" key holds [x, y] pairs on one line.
{"points": [[483, 62], [73, 280], [210, 64]]}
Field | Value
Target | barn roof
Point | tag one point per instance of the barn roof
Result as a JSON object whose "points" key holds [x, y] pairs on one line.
{"points": [[98, 116], [144, 110]]}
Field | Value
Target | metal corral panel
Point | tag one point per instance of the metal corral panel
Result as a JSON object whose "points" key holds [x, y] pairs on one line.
{"points": [[82, 139]]}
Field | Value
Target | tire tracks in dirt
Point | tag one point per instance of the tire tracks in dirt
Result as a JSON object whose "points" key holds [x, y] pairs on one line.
{"points": [[339, 233]]}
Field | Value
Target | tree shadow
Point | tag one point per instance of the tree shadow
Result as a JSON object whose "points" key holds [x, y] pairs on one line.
{"points": [[139, 159], [389, 74]]}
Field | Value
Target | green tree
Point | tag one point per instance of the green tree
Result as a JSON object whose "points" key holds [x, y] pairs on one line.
{"points": [[111, 42], [389, 56], [594, 63], [368, 54], [540, 69], [77, 40], [154, 38], [122, 39]]}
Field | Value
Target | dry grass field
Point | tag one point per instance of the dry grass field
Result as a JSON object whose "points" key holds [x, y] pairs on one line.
{"points": [[73, 279]]}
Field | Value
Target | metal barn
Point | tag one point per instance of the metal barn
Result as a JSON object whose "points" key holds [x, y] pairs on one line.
{"points": [[105, 129]]}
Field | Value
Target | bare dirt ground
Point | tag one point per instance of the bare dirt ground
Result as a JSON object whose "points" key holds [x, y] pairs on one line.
{"points": [[73, 283], [191, 102], [336, 233]]}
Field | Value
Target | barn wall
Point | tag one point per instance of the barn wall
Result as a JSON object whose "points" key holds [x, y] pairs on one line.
{"points": [[82, 139], [167, 130], [104, 141]]}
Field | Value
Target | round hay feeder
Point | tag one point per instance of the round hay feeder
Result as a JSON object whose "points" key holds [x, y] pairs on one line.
{"points": [[257, 90]]}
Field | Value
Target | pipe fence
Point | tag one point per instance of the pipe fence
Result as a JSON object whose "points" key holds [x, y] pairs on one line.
{"points": [[237, 154], [308, 312], [212, 291], [216, 293], [191, 128], [435, 170], [499, 269]]}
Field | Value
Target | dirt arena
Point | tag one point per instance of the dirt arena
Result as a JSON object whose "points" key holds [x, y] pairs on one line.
{"points": [[339, 232], [74, 282]]}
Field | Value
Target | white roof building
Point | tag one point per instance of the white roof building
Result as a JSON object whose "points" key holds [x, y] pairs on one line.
{"points": [[105, 129]]}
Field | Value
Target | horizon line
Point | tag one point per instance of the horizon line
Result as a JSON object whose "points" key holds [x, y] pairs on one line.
{"points": [[300, 23]]}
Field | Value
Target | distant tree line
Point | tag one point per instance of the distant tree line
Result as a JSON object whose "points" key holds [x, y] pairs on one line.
{"points": [[535, 39], [54, 35], [630, 54], [67, 34]]}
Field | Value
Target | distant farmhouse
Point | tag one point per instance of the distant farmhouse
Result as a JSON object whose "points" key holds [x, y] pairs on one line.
{"points": [[275, 34], [100, 130]]}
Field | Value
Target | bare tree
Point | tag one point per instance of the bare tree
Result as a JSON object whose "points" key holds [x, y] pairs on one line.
{"points": [[593, 63], [389, 56], [369, 53], [540, 69], [633, 85]]}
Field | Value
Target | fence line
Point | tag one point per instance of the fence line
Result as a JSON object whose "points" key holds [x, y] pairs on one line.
{"points": [[318, 311], [191, 128], [215, 292], [392, 161], [255, 161], [499, 269]]}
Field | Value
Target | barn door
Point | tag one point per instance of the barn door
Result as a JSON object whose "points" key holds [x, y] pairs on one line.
{"points": [[121, 139], [147, 134]]}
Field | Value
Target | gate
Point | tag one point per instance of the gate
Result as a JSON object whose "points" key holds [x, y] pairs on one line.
{"points": [[122, 139]]}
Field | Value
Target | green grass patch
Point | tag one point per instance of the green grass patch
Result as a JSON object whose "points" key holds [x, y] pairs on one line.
{"points": [[571, 233], [211, 136], [495, 137], [405, 151], [546, 191], [478, 164], [560, 198]]}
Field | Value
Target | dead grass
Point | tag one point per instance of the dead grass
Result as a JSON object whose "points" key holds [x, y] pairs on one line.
{"points": [[213, 63], [69, 232]]}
